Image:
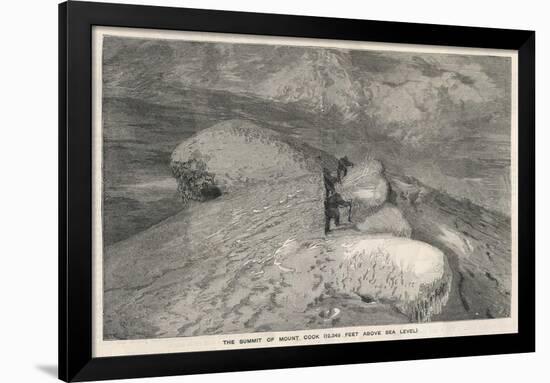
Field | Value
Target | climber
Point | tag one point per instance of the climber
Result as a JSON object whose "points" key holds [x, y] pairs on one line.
{"points": [[332, 203], [343, 164], [329, 182]]}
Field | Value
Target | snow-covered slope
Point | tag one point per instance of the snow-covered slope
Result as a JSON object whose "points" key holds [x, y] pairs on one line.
{"points": [[476, 241], [238, 154], [257, 259]]}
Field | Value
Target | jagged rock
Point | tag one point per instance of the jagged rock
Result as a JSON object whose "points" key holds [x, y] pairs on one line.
{"points": [[194, 181]]}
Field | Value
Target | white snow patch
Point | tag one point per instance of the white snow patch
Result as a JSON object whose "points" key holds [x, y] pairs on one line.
{"points": [[455, 241], [422, 259], [364, 193], [162, 184]]}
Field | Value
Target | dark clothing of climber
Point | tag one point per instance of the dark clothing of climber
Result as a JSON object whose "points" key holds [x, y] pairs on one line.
{"points": [[329, 183], [332, 203], [342, 171]]}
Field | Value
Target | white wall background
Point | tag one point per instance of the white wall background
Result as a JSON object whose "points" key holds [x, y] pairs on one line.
{"points": [[28, 193]]}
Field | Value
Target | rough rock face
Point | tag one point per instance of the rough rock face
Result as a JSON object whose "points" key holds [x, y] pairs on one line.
{"points": [[194, 180]]}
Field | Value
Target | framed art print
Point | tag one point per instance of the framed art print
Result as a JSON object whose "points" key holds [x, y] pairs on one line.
{"points": [[326, 191]]}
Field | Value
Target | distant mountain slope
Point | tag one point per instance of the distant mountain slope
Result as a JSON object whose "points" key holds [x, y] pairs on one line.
{"points": [[320, 80]]}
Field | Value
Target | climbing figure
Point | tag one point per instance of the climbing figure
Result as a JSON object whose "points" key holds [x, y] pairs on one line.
{"points": [[342, 171], [329, 183], [332, 203]]}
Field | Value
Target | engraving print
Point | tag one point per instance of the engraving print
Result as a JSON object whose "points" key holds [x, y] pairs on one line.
{"points": [[252, 188]]}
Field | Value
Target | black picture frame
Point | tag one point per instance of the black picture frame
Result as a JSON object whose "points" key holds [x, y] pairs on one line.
{"points": [[75, 190]]}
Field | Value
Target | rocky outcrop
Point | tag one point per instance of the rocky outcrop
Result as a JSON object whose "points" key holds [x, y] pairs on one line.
{"points": [[195, 182]]}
